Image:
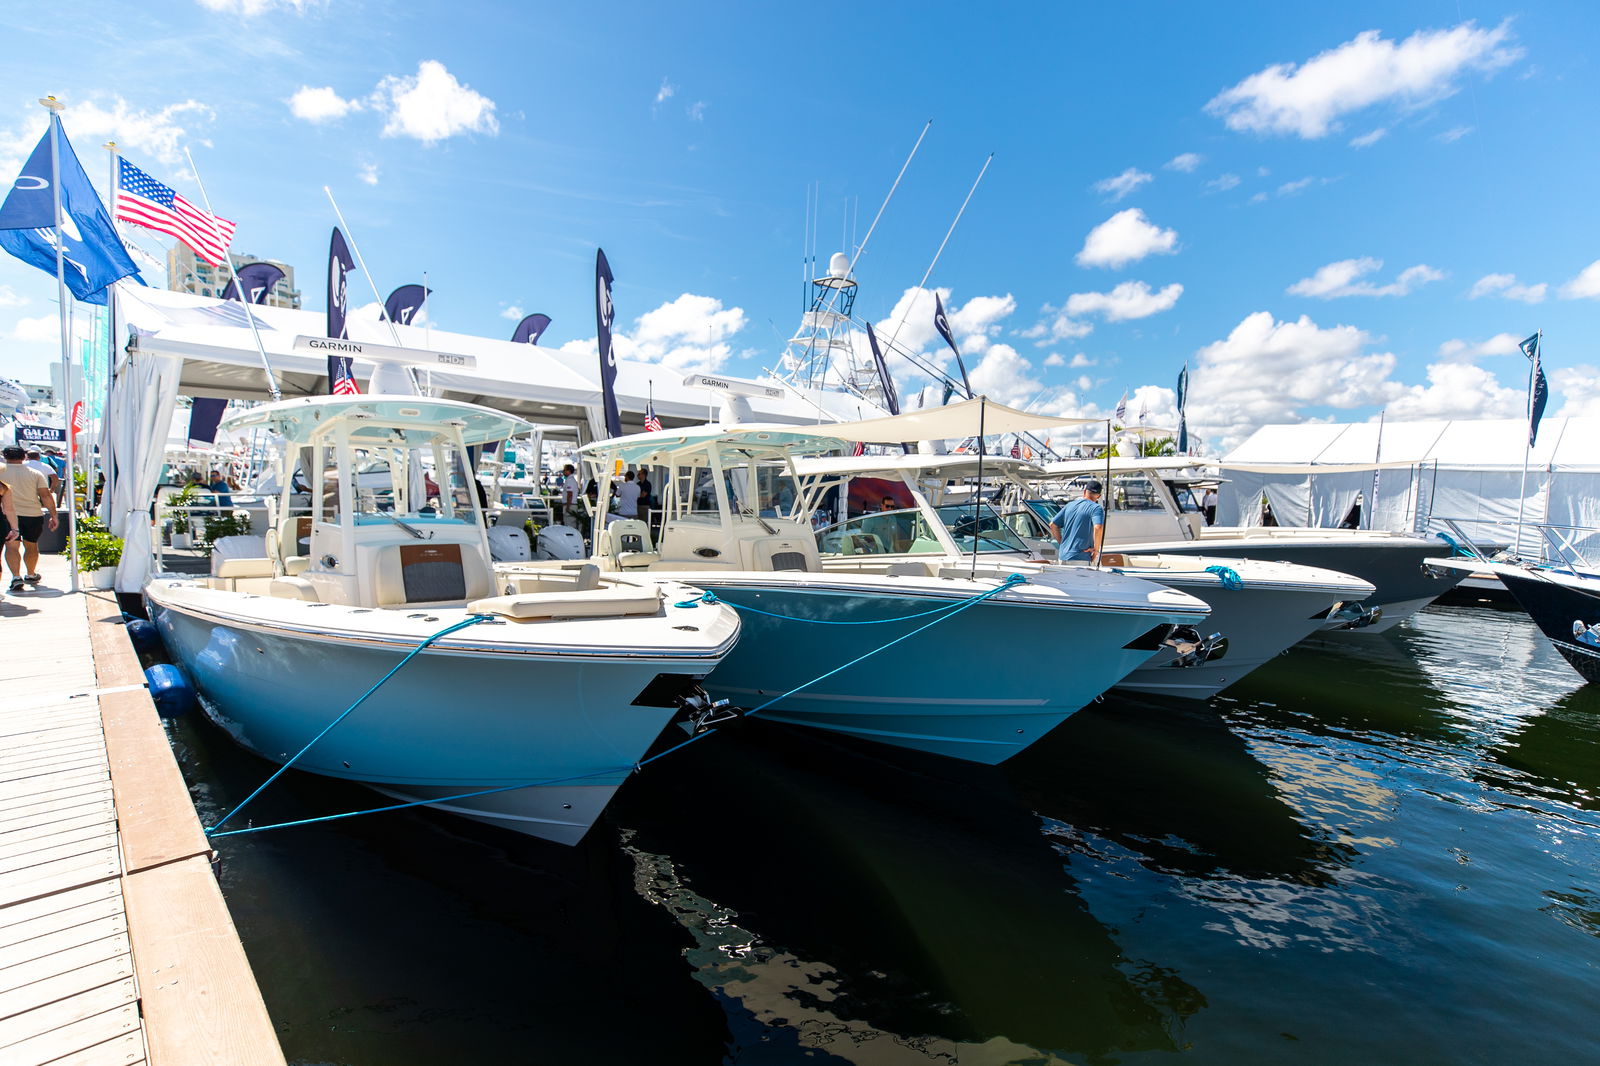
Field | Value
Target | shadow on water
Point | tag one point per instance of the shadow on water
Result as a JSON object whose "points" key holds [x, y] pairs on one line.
{"points": [[420, 938], [868, 899]]}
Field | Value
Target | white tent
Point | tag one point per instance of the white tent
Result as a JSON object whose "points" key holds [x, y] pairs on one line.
{"points": [[196, 346], [1469, 471]]}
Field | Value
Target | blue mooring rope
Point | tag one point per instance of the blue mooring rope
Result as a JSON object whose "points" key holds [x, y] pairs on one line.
{"points": [[1455, 548], [1230, 577], [711, 597], [472, 621], [1011, 581]]}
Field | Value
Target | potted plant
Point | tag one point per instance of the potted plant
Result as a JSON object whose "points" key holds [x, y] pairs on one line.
{"points": [[226, 524], [99, 552], [178, 505]]}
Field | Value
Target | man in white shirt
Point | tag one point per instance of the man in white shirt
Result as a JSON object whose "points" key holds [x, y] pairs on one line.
{"points": [[569, 496], [36, 461], [628, 497], [36, 508]]}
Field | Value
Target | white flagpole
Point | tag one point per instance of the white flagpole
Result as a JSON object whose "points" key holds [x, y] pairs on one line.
{"points": [[55, 107], [1527, 410], [1370, 511], [238, 286]]}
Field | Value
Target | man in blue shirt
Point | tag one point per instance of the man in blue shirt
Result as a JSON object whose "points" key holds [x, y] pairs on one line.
{"points": [[1080, 526]]}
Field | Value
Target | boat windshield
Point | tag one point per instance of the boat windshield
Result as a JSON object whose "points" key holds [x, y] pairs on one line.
{"points": [[897, 532], [981, 528], [428, 482], [764, 489]]}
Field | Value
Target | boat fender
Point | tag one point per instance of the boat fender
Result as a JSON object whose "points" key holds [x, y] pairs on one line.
{"points": [[170, 690], [146, 639]]}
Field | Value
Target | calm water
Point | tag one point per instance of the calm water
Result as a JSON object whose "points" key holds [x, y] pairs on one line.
{"points": [[1380, 850]]}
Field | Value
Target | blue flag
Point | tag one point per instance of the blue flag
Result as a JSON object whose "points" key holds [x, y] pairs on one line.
{"points": [[890, 400], [1538, 388], [530, 329], [259, 280], [1183, 422], [340, 263], [404, 303], [605, 313], [92, 253]]}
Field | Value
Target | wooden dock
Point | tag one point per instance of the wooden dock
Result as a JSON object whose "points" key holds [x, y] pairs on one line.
{"points": [[115, 944]]}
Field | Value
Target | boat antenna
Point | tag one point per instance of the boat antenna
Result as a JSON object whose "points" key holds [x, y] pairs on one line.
{"points": [[861, 250], [350, 237], [926, 274]]}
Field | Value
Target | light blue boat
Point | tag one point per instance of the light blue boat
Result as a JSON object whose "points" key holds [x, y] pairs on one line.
{"points": [[529, 715], [988, 663]]}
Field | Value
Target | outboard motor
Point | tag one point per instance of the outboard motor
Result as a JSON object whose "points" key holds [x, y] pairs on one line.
{"points": [[1586, 634], [508, 544], [1191, 649], [559, 542]]}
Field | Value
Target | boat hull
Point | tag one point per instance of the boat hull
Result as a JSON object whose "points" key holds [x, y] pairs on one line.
{"points": [[449, 723], [1554, 606], [1014, 673], [1395, 567]]}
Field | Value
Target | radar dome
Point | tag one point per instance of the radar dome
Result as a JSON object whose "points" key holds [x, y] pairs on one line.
{"points": [[839, 265]]}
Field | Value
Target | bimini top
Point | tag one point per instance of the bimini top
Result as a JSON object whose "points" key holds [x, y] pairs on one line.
{"points": [[959, 465], [1162, 464], [664, 447], [416, 419]]}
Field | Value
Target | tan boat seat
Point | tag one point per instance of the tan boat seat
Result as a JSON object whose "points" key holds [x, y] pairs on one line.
{"points": [[609, 601]]}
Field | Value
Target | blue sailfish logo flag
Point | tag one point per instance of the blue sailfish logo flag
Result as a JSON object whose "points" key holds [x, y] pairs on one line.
{"points": [[890, 400], [1538, 388], [404, 303], [92, 256], [340, 263], [1183, 422], [605, 312]]}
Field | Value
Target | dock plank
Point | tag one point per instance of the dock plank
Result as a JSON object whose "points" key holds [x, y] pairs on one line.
{"points": [[65, 961], [28, 853], [53, 782], [66, 1010], [48, 990], [76, 1036], [59, 940], [61, 824], [19, 933], [55, 802], [59, 875], [61, 901], [124, 1050]]}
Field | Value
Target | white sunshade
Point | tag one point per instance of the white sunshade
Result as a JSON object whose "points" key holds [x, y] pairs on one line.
{"points": [[969, 418], [951, 466]]}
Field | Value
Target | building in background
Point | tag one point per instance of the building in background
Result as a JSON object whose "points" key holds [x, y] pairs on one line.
{"points": [[187, 272]]}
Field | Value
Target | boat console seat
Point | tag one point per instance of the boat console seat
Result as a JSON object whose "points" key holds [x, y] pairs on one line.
{"points": [[294, 536], [628, 543], [428, 573], [292, 588]]}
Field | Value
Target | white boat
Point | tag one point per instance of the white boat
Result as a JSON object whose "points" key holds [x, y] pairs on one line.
{"points": [[1258, 609], [528, 714], [1150, 509], [988, 663]]}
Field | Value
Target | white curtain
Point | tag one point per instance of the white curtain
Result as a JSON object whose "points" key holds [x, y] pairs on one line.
{"points": [[1332, 496], [1239, 498], [142, 403]]}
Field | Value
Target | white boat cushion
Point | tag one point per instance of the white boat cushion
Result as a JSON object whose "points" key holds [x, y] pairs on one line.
{"points": [[292, 588], [608, 601]]}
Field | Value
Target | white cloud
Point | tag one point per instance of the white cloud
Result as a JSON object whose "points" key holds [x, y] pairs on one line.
{"points": [[251, 8], [697, 111], [9, 298], [689, 333], [1455, 390], [1343, 279], [1124, 238], [1367, 140], [45, 328], [1128, 301], [666, 92], [432, 105], [1586, 286], [514, 313], [1081, 360], [1004, 375], [1309, 100], [1579, 389], [1123, 184], [1452, 135], [1507, 286], [319, 105], [1055, 359], [1259, 198], [368, 173], [157, 134], [1223, 182], [1290, 188], [1185, 163], [1460, 351]]}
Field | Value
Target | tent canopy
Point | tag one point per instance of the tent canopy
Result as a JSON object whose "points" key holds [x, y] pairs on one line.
{"points": [[968, 418]]}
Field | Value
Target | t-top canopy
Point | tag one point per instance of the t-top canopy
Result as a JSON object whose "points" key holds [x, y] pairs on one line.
{"points": [[948, 466], [968, 418], [414, 417], [662, 448]]}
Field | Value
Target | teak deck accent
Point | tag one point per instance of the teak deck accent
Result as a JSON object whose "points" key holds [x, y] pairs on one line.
{"points": [[115, 944]]}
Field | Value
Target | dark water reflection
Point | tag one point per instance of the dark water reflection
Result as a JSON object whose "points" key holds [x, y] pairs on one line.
{"points": [[1373, 850]]}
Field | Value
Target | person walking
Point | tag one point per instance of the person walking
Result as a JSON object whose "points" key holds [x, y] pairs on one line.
{"points": [[1080, 526], [36, 462], [35, 508], [628, 497], [569, 496]]}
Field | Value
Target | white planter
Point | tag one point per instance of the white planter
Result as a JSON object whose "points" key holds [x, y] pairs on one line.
{"points": [[180, 540], [103, 578]]}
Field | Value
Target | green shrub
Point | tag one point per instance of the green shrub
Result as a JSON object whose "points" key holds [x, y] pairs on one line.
{"points": [[96, 547]]}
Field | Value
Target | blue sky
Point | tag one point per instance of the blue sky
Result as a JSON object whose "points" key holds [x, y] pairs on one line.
{"points": [[1327, 210]]}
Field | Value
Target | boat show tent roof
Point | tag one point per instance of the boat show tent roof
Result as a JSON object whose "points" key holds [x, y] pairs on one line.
{"points": [[1466, 470], [217, 349]]}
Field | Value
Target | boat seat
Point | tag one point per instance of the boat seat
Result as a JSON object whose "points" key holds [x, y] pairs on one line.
{"points": [[860, 544], [588, 577], [609, 601], [290, 533], [296, 565], [428, 573], [241, 556], [292, 588], [628, 543]]}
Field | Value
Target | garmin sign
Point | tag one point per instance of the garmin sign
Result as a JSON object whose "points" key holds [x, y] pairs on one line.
{"points": [[384, 353], [733, 386]]}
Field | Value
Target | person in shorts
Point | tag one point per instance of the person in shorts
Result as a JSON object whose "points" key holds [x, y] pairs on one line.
{"points": [[34, 510]]}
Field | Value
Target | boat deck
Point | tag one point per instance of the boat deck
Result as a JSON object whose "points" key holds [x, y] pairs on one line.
{"points": [[115, 943]]}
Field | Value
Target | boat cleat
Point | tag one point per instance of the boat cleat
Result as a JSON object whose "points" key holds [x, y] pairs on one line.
{"points": [[701, 712]]}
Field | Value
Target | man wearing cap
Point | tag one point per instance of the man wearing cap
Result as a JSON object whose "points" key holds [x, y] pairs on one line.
{"points": [[36, 462], [36, 506], [1080, 526]]}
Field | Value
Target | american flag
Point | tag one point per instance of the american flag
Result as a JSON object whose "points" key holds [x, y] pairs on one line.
{"points": [[146, 202], [344, 382], [652, 424], [1016, 448]]}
